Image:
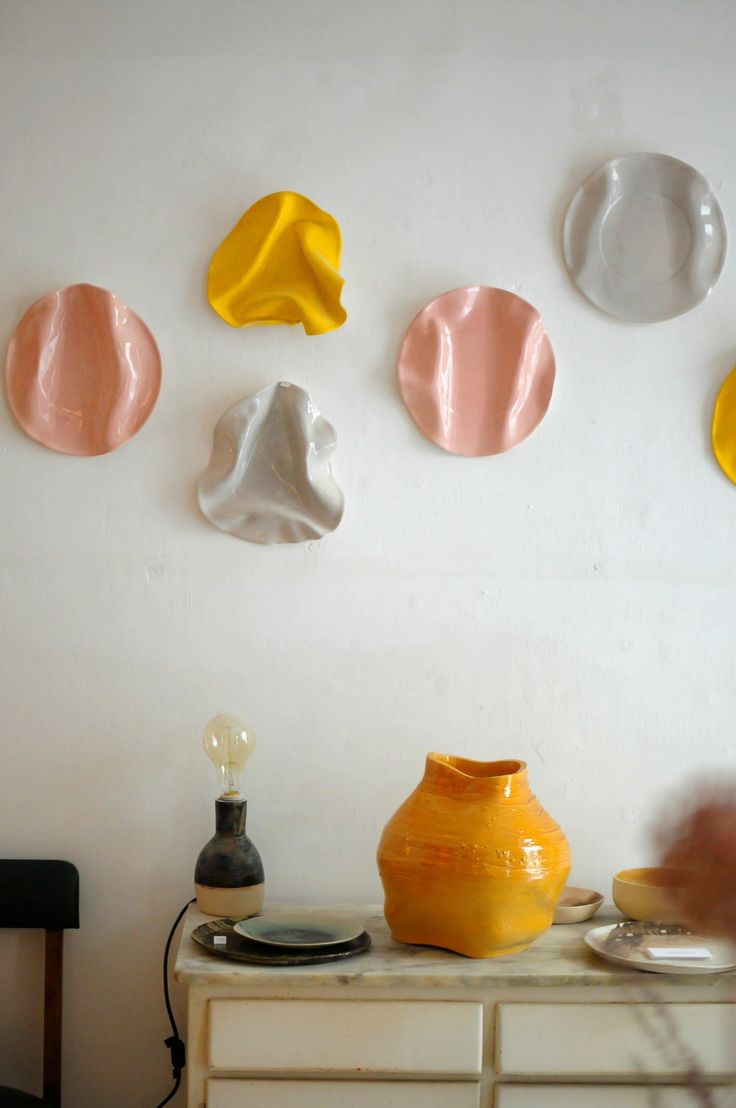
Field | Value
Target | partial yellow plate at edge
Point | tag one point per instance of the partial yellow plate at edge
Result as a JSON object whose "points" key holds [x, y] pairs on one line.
{"points": [[723, 430]]}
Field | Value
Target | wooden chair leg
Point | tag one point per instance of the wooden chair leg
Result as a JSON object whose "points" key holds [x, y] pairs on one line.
{"points": [[52, 1017]]}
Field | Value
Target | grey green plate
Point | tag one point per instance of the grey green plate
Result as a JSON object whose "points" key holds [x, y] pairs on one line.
{"points": [[244, 950], [298, 932]]}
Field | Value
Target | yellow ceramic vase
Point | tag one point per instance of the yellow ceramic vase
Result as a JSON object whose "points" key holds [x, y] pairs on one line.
{"points": [[471, 861]]}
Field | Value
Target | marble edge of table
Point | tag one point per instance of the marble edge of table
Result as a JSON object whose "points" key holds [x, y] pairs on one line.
{"points": [[559, 958]]}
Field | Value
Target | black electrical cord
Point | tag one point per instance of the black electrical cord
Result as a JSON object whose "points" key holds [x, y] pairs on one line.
{"points": [[174, 1043]]}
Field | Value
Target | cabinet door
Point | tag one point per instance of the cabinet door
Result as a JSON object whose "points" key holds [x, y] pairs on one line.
{"points": [[237, 1093], [605, 1096]]}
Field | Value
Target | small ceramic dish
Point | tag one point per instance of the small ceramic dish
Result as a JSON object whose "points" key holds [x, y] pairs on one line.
{"points": [[644, 237], [576, 905], [647, 894], [298, 932]]}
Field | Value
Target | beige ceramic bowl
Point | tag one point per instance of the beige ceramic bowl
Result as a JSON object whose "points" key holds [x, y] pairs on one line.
{"points": [[576, 905], [647, 894]]}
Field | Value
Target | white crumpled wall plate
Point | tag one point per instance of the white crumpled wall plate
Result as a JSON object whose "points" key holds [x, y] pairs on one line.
{"points": [[270, 478]]}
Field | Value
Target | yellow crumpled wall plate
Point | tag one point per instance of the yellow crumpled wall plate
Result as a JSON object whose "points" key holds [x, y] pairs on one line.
{"points": [[279, 264], [723, 430]]}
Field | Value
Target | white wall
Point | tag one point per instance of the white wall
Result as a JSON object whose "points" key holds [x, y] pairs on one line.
{"points": [[570, 602]]}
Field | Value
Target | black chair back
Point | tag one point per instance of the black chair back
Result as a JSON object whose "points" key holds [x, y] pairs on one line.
{"points": [[45, 895]]}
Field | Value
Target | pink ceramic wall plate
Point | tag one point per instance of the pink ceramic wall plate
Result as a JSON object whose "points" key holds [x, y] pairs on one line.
{"points": [[476, 370], [82, 371]]}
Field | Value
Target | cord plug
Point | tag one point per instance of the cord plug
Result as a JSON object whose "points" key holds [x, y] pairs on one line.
{"points": [[178, 1053]]}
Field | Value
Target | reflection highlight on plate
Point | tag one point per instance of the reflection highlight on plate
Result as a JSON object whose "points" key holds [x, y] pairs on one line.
{"points": [[644, 237], [279, 264], [270, 478], [476, 370], [82, 371]]}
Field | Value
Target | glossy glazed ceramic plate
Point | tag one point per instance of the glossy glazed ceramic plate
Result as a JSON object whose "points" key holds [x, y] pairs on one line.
{"points": [[279, 264], [82, 371], [629, 950], [299, 932], [240, 949], [476, 370], [644, 238], [270, 478]]}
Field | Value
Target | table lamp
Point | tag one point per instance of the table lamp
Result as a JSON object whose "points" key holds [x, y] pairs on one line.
{"points": [[228, 876]]}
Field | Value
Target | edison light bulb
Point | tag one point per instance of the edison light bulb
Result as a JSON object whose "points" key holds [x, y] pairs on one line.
{"points": [[228, 876], [229, 743]]}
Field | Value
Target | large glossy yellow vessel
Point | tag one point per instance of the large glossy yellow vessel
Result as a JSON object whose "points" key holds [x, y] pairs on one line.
{"points": [[471, 861]]}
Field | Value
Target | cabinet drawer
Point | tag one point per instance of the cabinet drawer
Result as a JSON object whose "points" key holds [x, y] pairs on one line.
{"points": [[623, 1040], [603, 1096], [227, 1093], [311, 1036]]}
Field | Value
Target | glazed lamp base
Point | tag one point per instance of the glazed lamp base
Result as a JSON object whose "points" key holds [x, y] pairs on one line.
{"points": [[230, 903]]}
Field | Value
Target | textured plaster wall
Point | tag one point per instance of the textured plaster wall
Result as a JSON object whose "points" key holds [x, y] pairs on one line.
{"points": [[571, 602]]}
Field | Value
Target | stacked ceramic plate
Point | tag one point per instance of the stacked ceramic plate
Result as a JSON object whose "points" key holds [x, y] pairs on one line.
{"points": [[282, 940]]}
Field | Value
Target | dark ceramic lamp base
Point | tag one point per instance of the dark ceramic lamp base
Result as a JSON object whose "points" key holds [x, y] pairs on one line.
{"points": [[228, 877]]}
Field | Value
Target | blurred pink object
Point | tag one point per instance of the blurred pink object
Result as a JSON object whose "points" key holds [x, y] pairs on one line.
{"points": [[476, 370], [697, 837], [82, 372]]}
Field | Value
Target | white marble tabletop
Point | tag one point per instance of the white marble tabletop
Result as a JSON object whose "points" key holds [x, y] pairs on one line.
{"points": [[559, 958]]}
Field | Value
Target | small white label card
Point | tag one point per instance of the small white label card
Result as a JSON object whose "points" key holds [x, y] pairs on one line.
{"points": [[671, 953], [219, 940]]}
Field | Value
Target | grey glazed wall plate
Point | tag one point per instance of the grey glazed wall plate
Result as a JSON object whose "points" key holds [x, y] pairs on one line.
{"points": [[644, 238], [270, 478]]}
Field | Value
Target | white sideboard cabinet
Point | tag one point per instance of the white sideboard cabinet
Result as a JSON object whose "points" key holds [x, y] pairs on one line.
{"points": [[415, 1027]]}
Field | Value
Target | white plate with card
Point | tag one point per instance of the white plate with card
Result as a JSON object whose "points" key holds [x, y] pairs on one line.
{"points": [[628, 944]]}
